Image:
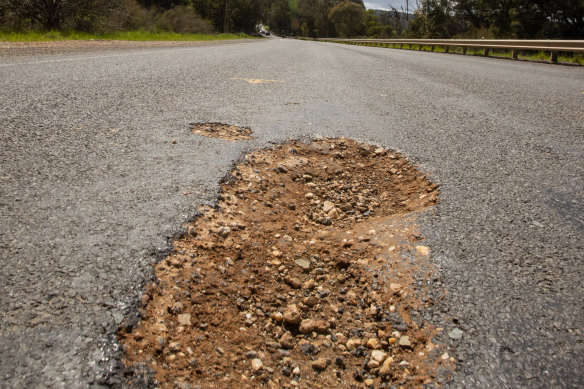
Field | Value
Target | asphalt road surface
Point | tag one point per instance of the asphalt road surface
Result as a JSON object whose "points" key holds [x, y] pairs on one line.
{"points": [[92, 188]]}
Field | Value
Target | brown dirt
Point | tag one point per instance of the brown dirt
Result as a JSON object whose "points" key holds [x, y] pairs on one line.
{"points": [[76, 46], [303, 275], [222, 131]]}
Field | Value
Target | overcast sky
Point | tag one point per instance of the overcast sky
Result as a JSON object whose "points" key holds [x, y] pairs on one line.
{"points": [[385, 4]]}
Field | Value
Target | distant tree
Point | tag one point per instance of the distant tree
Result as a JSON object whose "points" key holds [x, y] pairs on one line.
{"points": [[59, 14], [564, 19], [347, 17], [279, 16], [230, 15], [436, 19], [373, 27], [523, 18], [244, 15]]}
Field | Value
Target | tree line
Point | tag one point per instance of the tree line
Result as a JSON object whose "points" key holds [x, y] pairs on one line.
{"points": [[316, 18], [308, 18], [521, 19]]}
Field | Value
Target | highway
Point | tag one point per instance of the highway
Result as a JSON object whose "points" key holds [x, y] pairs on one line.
{"points": [[98, 171]]}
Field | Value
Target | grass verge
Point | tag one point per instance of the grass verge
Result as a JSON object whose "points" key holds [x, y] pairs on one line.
{"points": [[122, 35], [539, 56]]}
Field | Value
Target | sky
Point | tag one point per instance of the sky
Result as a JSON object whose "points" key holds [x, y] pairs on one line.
{"points": [[385, 4]]}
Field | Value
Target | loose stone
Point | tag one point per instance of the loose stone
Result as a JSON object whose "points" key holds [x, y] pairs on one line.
{"points": [[277, 316], [321, 326], [386, 367], [293, 282], [340, 362], [423, 250], [455, 334], [287, 341], [353, 343], [184, 319], [174, 346], [320, 364], [303, 263], [292, 314], [224, 231], [310, 284], [257, 364], [372, 343], [378, 355], [404, 341], [327, 206], [395, 288], [306, 326]]}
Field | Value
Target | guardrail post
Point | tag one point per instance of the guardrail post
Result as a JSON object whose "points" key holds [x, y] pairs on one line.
{"points": [[432, 48], [464, 50], [554, 57], [486, 53], [446, 49], [420, 48], [515, 53]]}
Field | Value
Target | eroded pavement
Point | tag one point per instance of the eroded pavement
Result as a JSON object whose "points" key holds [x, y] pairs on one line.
{"points": [[309, 271]]}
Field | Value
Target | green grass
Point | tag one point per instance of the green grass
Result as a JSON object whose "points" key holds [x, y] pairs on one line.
{"points": [[125, 36], [542, 56]]}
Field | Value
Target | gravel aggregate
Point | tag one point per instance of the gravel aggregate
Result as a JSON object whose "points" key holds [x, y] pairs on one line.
{"points": [[99, 169]]}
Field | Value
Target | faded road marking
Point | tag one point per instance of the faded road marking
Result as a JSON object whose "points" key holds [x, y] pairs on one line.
{"points": [[257, 80]]}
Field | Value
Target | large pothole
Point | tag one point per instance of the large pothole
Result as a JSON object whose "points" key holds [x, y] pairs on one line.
{"points": [[309, 272]]}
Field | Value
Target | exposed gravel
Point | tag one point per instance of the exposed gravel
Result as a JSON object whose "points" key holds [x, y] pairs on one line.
{"points": [[297, 280], [91, 187]]}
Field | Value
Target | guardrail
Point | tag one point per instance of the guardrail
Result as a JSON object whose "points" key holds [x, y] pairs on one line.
{"points": [[515, 45]]}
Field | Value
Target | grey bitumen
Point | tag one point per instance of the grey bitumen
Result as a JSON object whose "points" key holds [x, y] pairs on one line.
{"points": [[92, 189]]}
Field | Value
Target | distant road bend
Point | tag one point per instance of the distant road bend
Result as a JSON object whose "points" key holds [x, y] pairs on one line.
{"points": [[99, 169]]}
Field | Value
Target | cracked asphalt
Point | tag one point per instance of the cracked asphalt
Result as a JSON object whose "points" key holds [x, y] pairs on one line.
{"points": [[92, 188]]}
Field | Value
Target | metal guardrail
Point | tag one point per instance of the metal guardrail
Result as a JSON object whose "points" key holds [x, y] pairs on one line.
{"points": [[516, 45]]}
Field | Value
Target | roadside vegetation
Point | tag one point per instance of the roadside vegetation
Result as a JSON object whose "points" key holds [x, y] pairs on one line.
{"points": [[537, 56], [134, 20], [155, 19]]}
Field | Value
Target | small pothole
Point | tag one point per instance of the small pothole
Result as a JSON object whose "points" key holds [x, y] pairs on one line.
{"points": [[222, 131], [309, 272]]}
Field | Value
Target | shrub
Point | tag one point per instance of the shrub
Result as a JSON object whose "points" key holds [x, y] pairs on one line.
{"points": [[181, 19]]}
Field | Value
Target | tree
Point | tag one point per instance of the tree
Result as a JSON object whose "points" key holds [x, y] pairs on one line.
{"points": [[230, 15], [564, 19], [374, 28], [526, 19], [279, 16], [243, 15], [436, 19], [347, 17], [59, 14]]}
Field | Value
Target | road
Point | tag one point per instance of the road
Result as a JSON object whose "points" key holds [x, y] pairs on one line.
{"points": [[93, 187]]}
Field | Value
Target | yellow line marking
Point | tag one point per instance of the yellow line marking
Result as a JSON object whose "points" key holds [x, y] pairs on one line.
{"points": [[257, 80]]}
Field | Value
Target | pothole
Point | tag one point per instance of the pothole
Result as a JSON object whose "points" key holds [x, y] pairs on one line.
{"points": [[309, 272], [222, 131]]}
